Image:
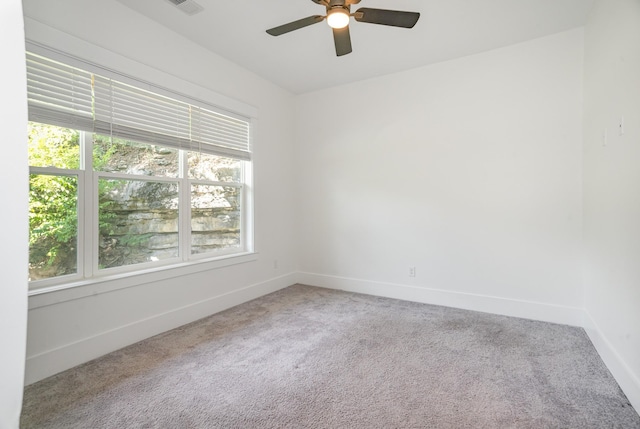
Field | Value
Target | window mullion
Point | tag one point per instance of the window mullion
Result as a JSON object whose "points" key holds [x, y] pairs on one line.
{"points": [[246, 212], [87, 228], [184, 213]]}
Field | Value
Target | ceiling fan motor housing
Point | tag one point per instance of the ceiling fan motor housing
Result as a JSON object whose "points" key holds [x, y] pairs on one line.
{"points": [[330, 3]]}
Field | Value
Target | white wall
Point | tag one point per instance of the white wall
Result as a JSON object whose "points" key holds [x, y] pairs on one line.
{"points": [[14, 174], [69, 327], [612, 188], [469, 170]]}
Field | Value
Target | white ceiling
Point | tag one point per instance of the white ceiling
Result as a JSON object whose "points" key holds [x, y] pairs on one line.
{"points": [[305, 60]]}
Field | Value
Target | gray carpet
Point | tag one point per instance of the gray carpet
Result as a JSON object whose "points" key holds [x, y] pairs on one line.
{"points": [[307, 357]]}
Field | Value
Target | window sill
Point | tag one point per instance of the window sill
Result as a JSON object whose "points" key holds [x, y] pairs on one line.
{"points": [[51, 295]]}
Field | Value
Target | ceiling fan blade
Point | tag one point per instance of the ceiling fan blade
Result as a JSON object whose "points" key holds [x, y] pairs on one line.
{"points": [[342, 40], [394, 18], [295, 25]]}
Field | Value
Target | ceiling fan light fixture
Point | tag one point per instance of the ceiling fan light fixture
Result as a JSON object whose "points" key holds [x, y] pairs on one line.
{"points": [[338, 17]]}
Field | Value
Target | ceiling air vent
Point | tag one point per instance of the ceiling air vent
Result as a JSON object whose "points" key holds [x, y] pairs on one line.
{"points": [[189, 7]]}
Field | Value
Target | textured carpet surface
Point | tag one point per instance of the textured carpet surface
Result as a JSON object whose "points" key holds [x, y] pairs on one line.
{"points": [[307, 357]]}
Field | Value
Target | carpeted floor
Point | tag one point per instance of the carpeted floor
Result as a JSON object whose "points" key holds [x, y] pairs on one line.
{"points": [[307, 357]]}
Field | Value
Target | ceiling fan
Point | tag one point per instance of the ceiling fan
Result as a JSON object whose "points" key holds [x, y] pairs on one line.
{"points": [[338, 14]]}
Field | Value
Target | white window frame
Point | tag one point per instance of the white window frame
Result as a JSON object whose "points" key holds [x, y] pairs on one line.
{"points": [[88, 231], [81, 224]]}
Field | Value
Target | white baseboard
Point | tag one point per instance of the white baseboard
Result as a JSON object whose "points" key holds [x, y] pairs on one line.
{"points": [[53, 361], [488, 304], [628, 381]]}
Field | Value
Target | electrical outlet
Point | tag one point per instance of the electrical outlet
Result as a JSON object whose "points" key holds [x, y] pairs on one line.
{"points": [[275, 264], [412, 271]]}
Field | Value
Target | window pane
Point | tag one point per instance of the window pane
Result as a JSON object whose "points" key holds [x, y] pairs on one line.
{"points": [[51, 146], [203, 166], [138, 222], [122, 156], [215, 218], [53, 226]]}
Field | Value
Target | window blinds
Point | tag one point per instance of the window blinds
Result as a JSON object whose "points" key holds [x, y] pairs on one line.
{"points": [[66, 96], [59, 94]]}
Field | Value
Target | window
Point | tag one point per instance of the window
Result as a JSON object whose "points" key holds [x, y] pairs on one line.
{"points": [[123, 178]]}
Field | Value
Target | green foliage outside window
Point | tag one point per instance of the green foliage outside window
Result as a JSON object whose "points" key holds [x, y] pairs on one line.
{"points": [[53, 200], [53, 220]]}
